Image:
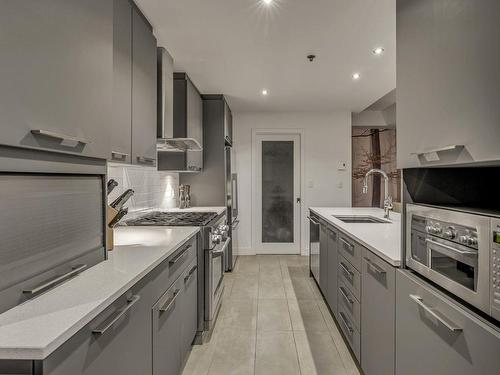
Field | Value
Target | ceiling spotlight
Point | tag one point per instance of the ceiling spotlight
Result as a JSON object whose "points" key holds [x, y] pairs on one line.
{"points": [[265, 92], [311, 57], [356, 76], [378, 51], [267, 2]]}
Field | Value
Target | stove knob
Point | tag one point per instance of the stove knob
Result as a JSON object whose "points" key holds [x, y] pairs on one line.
{"points": [[428, 229], [463, 239], [472, 241], [450, 233], [438, 230], [216, 238]]}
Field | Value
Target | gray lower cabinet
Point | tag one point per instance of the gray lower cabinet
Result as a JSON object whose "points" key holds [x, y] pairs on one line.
{"points": [[378, 311], [323, 257], [144, 126], [189, 308], [57, 75], [118, 341], [332, 277], [435, 335]]}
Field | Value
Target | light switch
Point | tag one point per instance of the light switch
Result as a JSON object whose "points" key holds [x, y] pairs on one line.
{"points": [[341, 166]]}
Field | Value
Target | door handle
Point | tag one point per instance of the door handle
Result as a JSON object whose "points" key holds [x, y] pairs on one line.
{"points": [[145, 160], [56, 281], [346, 324], [314, 221], [374, 266], [130, 302], [347, 245], [179, 256], [170, 302], [119, 155], [188, 276], [299, 200], [73, 141], [346, 270], [346, 297], [443, 320]]}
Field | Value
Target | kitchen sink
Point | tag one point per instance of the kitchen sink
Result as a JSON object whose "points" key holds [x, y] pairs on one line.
{"points": [[361, 219]]}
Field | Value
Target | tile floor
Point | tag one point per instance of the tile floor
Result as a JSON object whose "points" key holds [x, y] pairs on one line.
{"points": [[273, 321]]}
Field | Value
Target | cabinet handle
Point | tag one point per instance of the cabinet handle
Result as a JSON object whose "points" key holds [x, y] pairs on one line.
{"points": [[130, 302], [348, 246], [55, 281], [145, 160], [346, 324], [346, 297], [179, 256], [118, 155], [444, 321], [375, 266], [314, 221], [445, 148], [346, 270], [65, 138], [188, 276], [170, 302]]}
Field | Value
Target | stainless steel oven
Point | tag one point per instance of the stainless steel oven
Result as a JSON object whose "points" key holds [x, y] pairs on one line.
{"points": [[457, 251], [214, 283]]}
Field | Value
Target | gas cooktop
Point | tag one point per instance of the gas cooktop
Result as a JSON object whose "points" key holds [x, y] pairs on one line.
{"points": [[160, 218]]}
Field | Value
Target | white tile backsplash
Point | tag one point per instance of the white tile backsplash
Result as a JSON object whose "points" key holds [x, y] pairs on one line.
{"points": [[153, 189]]}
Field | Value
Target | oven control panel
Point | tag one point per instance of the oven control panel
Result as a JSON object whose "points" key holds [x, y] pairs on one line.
{"points": [[495, 269]]}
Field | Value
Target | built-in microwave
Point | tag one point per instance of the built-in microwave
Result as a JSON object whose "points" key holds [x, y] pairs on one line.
{"points": [[457, 250]]}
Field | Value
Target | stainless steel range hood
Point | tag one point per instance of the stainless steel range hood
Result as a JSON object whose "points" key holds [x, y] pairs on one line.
{"points": [[174, 130]]}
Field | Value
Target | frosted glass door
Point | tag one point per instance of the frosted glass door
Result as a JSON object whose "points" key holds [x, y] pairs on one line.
{"points": [[278, 193]]}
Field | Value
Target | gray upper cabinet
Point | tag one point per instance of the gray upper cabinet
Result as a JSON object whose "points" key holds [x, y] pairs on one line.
{"points": [[121, 126], [378, 311], [144, 124], [436, 335], [332, 277], [57, 76], [323, 257], [448, 57]]}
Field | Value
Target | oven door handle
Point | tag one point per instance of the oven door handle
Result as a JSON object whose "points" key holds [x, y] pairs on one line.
{"points": [[218, 253], [312, 220], [450, 248]]}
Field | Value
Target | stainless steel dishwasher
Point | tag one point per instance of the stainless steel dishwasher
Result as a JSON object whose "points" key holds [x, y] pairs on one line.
{"points": [[314, 246]]}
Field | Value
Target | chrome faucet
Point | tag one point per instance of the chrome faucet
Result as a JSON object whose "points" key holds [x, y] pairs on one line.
{"points": [[387, 199]]}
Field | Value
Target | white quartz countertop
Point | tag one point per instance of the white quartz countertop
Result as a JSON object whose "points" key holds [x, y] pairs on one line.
{"points": [[34, 329], [383, 239]]}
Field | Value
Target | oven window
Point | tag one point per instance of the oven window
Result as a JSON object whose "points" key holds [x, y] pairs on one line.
{"points": [[217, 273], [419, 247], [455, 270]]}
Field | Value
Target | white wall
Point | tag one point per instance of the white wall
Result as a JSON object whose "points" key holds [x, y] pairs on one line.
{"points": [[153, 189], [326, 140]]}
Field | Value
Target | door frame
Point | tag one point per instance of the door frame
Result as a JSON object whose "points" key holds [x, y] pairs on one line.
{"points": [[255, 199]]}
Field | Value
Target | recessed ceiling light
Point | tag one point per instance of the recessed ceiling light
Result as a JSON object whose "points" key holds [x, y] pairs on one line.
{"points": [[356, 76], [267, 2], [378, 51], [265, 92]]}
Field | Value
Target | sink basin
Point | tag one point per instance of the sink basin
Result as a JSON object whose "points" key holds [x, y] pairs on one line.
{"points": [[361, 219]]}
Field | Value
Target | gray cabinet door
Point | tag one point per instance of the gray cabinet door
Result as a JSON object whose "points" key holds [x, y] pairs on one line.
{"points": [[56, 75], [323, 258], [194, 117], [331, 295], [189, 308], [118, 341], [436, 335], [377, 315], [447, 72], [143, 91], [121, 126], [167, 317]]}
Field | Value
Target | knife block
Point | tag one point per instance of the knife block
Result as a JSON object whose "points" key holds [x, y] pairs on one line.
{"points": [[110, 215]]}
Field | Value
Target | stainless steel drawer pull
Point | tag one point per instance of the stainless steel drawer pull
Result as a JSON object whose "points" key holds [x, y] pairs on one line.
{"points": [[145, 159], [346, 297], [314, 221], [179, 256], [118, 155], [435, 314], [188, 276], [375, 266], [55, 281], [69, 140], [170, 302], [130, 302], [348, 246], [346, 270], [345, 323]]}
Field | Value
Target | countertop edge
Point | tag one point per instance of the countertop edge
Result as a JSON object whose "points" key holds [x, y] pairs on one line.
{"points": [[33, 353], [392, 262]]}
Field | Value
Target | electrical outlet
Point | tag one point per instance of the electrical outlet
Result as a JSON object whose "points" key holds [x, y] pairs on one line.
{"points": [[341, 166]]}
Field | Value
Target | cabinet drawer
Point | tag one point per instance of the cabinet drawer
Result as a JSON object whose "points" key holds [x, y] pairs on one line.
{"points": [[351, 250], [350, 276], [351, 304], [450, 338], [174, 266], [350, 332], [189, 308]]}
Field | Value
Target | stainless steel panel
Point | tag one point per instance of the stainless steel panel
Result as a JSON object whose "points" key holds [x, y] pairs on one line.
{"points": [[314, 247]]}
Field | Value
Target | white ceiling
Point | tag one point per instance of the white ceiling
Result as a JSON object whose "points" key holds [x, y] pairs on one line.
{"points": [[239, 47]]}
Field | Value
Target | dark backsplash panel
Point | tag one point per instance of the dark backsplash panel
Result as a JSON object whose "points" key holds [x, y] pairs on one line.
{"points": [[472, 187]]}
